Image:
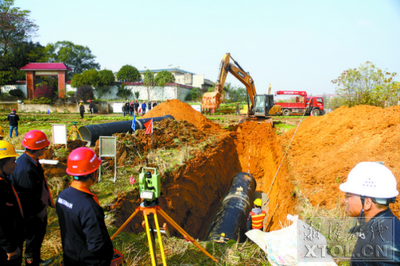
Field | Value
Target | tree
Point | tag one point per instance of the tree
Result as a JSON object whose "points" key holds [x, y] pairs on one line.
{"points": [[106, 77], [193, 95], [237, 94], [149, 82], [123, 92], [128, 73], [367, 85], [88, 77], [77, 57], [162, 78], [15, 26]]}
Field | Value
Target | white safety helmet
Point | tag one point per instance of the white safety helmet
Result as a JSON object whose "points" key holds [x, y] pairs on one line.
{"points": [[371, 179]]}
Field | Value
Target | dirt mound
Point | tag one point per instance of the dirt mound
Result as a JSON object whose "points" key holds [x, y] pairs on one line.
{"points": [[58, 152], [326, 148], [167, 134], [182, 111]]}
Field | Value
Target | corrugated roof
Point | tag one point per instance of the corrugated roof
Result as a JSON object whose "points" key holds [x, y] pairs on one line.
{"points": [[45, 66]]}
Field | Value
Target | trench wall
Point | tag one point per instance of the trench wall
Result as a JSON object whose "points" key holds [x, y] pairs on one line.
{"points": [[193, 192]]}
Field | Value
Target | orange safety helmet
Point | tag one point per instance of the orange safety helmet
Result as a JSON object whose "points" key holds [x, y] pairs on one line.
{"points": [[82, 161], [2, 132], [35, 140]]}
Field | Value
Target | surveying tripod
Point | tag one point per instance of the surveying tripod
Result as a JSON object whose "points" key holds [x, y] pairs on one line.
{"points": [[154, 210], [74, 128]]}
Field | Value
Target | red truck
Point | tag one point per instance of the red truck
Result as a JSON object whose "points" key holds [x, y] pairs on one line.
{"points": [[302, 104]]}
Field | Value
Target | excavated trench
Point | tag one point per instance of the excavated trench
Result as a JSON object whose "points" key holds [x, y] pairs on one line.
{"points": [[191, 194]]}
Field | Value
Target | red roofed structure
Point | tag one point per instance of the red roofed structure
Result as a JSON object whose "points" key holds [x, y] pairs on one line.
{"points": [[45, 69]]}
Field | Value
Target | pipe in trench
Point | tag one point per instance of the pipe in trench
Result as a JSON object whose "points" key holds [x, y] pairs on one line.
{"points": [[91, 133], [231, 217]]}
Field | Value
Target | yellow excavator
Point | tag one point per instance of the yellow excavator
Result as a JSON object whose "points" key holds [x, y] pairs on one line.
{"points": [[262, 105]]}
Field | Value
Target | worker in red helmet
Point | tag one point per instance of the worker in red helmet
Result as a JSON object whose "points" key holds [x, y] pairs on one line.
{"points": [[84, 235], [11, 214], [13, 119], [32, 188]]}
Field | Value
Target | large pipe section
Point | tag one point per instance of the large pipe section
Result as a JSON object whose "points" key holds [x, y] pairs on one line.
{"points": [[231, 218], [91, 133]]}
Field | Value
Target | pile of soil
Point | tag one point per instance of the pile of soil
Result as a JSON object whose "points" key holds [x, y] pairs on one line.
{"points": [[167, 133], [326, 148], [183, 111], [58, 170]]}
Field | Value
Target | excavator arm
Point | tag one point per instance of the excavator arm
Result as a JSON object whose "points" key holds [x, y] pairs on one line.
{"points": [[212, 100]]}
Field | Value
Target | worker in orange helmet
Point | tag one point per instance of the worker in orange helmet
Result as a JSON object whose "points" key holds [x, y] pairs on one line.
{"points": [[32, 188], [11, 214], [256, 216], [2, 134], [84, 235]]}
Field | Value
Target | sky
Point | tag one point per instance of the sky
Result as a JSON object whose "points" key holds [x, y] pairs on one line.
{"points": [[290, 44]]}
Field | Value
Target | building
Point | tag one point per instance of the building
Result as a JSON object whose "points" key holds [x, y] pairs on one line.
{"points": [[185, 78]]}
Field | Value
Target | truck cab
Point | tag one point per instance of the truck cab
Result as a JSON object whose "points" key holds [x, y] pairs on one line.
{"points": [[265, 106], [315, 105]]}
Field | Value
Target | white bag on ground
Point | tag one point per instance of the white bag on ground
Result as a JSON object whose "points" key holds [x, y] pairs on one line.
{"points": [[288, 245]]}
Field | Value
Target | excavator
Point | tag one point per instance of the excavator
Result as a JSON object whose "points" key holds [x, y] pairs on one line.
{"points": [[262, 105]]}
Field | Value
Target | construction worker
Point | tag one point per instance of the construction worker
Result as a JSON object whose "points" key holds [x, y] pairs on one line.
{"points": [[11, 214], [369, 188], [2, 134], [256, 216], [32, 188], [84, 235], [81, 109], [13, 119]]}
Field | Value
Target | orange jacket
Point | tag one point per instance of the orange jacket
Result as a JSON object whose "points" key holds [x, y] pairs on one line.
{"points": [[257, 219]]}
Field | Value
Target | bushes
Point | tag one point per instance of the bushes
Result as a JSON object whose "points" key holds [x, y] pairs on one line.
{"points": [[84, 93], [44, 91], [17, 93]]}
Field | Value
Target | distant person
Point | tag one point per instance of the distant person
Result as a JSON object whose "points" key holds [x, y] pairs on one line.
{"points": [[131, 108], [84, 236], [12, 222], [2, 134], [13, 119], [369, 189], [237, 109], [91, 109], [123, 110], [136, 106], [126, 107], [154, 104], [149, 105], [256, 216], [143, 108], [81, 109]]}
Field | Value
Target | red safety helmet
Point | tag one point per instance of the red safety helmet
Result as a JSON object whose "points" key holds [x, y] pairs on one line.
{"points": [[13, 110], [35, 140], [82, 161]]}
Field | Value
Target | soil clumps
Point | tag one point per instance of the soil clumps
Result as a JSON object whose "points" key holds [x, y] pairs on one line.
{"points": [[326, 148]]}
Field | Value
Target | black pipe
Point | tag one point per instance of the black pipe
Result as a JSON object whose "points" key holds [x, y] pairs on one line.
{"points": [[231, 217], [91, 133]]}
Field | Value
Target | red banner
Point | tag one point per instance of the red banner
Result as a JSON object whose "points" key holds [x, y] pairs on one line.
{"points": [[149, 127]]}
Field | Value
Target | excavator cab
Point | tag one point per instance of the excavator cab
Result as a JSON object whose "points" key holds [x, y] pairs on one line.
{"points": [[264, 105]]}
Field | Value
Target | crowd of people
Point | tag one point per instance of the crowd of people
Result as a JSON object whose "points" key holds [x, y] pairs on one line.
{"points": [[134, 107]]}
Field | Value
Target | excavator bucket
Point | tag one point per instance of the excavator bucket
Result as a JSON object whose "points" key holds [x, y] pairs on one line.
{"points": [[211, 100]]}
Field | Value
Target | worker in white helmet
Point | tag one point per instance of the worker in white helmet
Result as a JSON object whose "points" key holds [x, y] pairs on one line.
{"points": [[369, 188]]}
